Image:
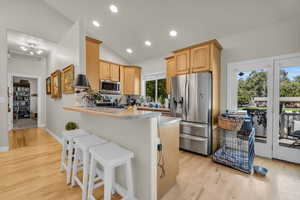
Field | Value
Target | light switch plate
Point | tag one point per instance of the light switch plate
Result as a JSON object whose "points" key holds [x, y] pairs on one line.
{"points": [[2, 100]]}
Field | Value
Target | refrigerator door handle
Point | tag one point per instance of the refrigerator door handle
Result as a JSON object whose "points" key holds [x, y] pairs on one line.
{"points": [[194, 124]]}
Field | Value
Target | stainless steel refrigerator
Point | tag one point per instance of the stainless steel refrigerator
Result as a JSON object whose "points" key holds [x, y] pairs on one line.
{"points": [[191, 99]]}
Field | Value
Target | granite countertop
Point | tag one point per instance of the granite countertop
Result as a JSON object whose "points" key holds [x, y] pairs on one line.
{"points": [[114, 112]]}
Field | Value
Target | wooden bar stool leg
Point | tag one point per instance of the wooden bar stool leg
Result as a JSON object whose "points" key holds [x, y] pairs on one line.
{"points": [[75, 166], [107, 183], [86, 157], [91, 178], [129, 179]]}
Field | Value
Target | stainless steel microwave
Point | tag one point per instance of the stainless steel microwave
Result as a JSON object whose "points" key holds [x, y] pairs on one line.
{"points": [[110, 87]]}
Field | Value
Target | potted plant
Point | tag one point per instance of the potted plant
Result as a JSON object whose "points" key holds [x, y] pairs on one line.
{"points": [[71, 126]]}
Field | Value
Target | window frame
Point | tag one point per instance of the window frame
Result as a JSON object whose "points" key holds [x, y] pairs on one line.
{"points": [[153, 77]]}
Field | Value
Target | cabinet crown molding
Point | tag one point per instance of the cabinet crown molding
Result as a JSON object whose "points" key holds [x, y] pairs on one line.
{"points": [[216, 42]]}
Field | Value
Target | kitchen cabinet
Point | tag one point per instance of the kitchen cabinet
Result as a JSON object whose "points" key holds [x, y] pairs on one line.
{"points": [[109, 71], [115, 72], [130, 80], [200, 59], [104, 69], [171, 72], [182, 62], [92, 62]]}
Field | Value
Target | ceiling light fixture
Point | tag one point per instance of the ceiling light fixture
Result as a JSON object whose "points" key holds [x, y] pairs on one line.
{"points": [[39, 52], [31, 53], [173, 33], [23, 48], [113, 8], [129, 51], [96, 23], [148, 43]]}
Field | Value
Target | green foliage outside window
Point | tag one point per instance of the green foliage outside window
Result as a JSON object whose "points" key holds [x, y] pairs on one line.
{"points": [[161, 90], [255, 85]]}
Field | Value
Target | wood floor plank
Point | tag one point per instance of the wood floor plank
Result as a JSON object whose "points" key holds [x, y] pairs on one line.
{"points": [[31, 171]]}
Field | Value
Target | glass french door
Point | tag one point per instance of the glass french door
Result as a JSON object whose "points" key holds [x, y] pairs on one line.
{"points": [[286, 133], [251, 89]]}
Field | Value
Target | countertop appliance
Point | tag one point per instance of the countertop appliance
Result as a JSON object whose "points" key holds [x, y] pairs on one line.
{"points": [[109, 87], [191, 100]]}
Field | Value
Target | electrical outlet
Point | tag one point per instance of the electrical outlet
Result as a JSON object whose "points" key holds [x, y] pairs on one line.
{"points": [[159, 147]]}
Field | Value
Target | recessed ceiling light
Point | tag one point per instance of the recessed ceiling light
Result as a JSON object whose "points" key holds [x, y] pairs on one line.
{"points": [[31, 53], [23, 48], [96, 23], [173, 33], [113, 8], [129, 50], [148, 43], [39, 52]]}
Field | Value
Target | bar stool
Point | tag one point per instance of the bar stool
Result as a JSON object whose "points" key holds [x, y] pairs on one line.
{"points": [[82, 160], [68, 148], [110, 156]]}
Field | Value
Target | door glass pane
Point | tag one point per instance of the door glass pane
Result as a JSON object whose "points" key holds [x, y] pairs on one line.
{"points": [[161, 91], [252, 96], [289, 107], [150, 91]]}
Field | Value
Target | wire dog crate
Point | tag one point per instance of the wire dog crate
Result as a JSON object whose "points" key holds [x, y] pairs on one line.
{"points": [[237, 150]]}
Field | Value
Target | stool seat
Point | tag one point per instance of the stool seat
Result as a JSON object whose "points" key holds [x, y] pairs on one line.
{"points": [[74, 133], [111, 154], [86, 142]]}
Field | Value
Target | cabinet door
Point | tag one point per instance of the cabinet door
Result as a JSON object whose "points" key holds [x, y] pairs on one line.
{"points": [[200, 59], [92, 64], [171, 71], [104, 70], [182, 62], [115, 72], [129, 79], [137, 81]]}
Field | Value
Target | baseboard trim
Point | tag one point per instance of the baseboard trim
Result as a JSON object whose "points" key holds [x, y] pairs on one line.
{"points": [[4, 149], [54, 135], [42, 125]]}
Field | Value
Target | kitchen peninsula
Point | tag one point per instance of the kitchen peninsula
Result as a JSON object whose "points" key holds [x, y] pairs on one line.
{"points": [[137, 131]]}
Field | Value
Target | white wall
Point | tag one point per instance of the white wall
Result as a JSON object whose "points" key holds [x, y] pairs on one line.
{"points": [[3, 91], [275, 39], [68, 52], [33, 17], [109, 55]]}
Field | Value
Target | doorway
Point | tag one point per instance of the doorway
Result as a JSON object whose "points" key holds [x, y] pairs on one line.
{"points": [[269, 90], [23, 102]]}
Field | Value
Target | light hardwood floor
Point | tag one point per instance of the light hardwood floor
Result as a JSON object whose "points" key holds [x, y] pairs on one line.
{"points": [[32, 173]]}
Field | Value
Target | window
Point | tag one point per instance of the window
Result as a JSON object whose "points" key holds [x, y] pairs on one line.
{"points": [[156, 90]]}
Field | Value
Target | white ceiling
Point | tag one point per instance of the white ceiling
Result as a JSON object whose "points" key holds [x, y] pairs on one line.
{"points": [[195, 21], [17, 39]]}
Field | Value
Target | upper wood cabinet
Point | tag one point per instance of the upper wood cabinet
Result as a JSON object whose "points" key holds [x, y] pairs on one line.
{"points": [[109, 71], [171, 72], [104, 69], [92, 62], [200, 59], [182, 61], [115, 72], [196, 58], [130, 80]]}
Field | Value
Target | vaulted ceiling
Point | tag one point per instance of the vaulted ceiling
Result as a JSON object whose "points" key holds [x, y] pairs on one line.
{"points": [[194, 20]]}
